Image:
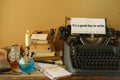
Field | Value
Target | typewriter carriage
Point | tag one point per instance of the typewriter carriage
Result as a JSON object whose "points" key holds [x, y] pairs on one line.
{"points": [[110, 38]]}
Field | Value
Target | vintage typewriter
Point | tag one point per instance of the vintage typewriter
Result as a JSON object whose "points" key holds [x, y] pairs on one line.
{"points": [[91, 54]]}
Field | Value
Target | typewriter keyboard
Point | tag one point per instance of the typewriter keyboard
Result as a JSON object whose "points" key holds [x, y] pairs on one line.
{"points": [[96, 58]]}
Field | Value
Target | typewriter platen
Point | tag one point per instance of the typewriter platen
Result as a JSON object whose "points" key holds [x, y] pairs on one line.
{"points": [[91, 54]]}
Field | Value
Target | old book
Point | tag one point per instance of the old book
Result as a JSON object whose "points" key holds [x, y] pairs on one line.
{"points": [[41, 53], [42, 47], [39, 36], [40, 42], [52, 71], [4, 64], [43, 50]]}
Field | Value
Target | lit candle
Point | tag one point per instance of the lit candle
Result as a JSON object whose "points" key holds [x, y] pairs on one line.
{"points": [[27, 39]]}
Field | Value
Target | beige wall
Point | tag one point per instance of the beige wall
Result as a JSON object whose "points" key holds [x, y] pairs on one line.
{"points": [[18, 15]]}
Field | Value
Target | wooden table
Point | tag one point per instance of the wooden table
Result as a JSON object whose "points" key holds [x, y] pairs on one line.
{"points": [[32, 76], [40, 76], [90, 78]]}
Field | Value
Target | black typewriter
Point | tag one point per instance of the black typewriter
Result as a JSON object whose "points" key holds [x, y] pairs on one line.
{"points": [[91, 54]]}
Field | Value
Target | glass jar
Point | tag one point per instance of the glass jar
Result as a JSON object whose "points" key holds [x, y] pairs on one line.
{"points": [[26, 64], [14, 57]]}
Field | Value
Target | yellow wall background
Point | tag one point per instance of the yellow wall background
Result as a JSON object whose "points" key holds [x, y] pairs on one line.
{"points": [[18, 15]]}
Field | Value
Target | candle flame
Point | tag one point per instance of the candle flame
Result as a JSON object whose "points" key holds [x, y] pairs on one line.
{"points": [[27, 31]]}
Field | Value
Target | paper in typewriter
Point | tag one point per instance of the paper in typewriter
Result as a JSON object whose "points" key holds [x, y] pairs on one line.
{"points": [[88, 25]]}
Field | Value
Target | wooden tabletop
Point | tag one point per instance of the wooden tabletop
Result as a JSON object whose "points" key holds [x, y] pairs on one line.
{"points": [[24, 76], [41, 76]]}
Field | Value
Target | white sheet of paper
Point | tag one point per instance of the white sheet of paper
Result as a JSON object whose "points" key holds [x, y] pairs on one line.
{"points": [[88, 25]]}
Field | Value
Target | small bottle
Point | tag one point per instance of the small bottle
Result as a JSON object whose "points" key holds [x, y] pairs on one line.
{"points": [[14, 57], [26, 63]]}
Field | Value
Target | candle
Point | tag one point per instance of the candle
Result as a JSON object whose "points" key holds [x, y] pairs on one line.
{"points": [[27, 38]]}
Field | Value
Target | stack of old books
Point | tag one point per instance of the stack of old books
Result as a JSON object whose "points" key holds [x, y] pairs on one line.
{"points": [[41, 46]]}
